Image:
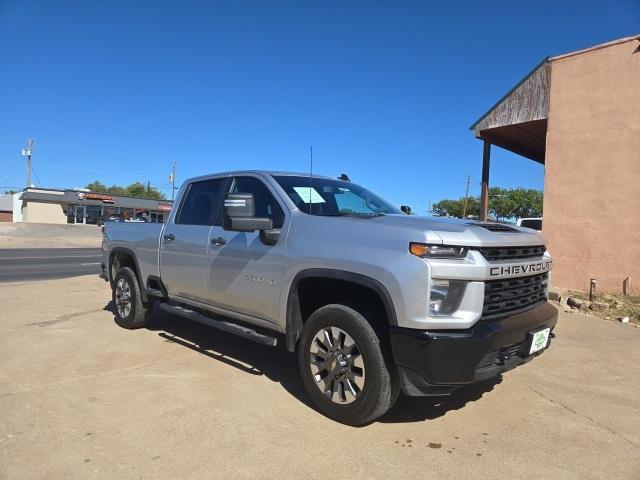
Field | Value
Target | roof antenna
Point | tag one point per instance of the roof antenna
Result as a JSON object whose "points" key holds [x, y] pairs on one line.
{"points": [[310, 178]]}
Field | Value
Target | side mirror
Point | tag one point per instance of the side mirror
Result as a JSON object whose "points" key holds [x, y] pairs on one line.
{"points": [[239, 214], [406, 209], [270, 237]]}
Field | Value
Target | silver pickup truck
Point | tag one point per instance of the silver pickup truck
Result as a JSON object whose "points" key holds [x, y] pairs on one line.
{"points": [[373, 300]]}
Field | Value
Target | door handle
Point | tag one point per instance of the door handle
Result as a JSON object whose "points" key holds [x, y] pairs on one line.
{"points": [[169, 236], [219, 241]]}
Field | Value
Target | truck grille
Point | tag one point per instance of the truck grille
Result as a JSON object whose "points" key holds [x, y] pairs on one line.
{"points": [[493, 254], [508, 295]]}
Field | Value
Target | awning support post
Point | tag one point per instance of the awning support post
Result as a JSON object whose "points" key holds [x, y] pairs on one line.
{"points": [[484, 195]]}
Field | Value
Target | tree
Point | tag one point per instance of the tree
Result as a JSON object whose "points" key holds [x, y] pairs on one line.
{"points": [[454, 208], [504, 204], [515, 203], [97, 187], [527, 202], [500, 203], [447, 208], [136, 189]]}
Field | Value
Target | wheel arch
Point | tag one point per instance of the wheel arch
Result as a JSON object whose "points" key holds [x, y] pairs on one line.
{"points": [[122, 252], [294, 314]]}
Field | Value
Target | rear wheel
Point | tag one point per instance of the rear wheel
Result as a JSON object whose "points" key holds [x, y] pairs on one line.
{"points": [[130, 312], [343, 367]]}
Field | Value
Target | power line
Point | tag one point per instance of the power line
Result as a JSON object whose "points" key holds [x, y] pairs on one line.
{"points": [[56, 165], [36, 175]]}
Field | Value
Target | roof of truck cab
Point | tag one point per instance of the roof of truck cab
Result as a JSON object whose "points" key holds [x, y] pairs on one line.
{"points": [[261, 172]]}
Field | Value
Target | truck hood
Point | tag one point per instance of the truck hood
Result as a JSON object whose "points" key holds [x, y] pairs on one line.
{"points": [[452, 231]]}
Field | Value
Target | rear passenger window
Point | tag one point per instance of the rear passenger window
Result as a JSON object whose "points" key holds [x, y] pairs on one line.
{"points": [[200, 204]]}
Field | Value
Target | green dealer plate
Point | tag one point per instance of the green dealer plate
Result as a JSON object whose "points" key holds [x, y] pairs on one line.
{"points": [[539, 340]]}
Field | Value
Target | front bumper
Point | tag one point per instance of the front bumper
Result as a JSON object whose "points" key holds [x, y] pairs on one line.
{"points": [[439, 361]]}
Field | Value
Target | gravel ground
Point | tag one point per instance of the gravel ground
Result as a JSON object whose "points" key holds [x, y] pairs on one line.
{"points": [[82, 398]]}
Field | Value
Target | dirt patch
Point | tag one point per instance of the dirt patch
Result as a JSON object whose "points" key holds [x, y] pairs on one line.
{"points": [[607, 306], [42, 235]]}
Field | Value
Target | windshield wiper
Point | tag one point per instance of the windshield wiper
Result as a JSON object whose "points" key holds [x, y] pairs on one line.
{"points": [[360, 215]]}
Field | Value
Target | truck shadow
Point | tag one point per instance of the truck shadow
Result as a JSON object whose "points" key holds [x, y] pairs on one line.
{"points": [[417, 409], [279, 365], [275, 363]]}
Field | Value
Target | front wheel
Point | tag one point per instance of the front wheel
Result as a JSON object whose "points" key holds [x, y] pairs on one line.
{"points": [[343, 366], [129, 310]]}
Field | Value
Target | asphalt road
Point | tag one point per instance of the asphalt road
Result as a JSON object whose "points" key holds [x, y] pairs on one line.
{"points": [[47, 263]]}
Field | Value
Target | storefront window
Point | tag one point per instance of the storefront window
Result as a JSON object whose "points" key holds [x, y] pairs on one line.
{"points": [[93, 213], [96, 214], [141, 215], [157, 217]]}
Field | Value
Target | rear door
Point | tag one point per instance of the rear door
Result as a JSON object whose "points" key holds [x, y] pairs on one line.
{"points": [[243, 274], [185, 240]]}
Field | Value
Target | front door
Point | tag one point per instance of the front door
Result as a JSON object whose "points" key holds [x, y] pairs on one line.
{"points": [[79, 214], [185, 239], [243, 274]]}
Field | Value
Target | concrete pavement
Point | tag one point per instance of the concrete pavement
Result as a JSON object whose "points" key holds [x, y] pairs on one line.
{"points": [[83, 398], [46, 263]]}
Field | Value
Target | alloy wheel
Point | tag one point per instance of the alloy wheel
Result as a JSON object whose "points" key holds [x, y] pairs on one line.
{"points": [[123, 298], [337, 365]]}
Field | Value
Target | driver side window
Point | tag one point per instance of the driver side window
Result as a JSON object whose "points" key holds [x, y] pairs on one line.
{"points": [[265, 205]]}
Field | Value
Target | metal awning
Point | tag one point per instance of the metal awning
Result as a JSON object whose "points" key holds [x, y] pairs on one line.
{"points": [[78, 198]]}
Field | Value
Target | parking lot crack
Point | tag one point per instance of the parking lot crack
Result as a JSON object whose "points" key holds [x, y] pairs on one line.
{"points": [[63, 318], [587, 417]]}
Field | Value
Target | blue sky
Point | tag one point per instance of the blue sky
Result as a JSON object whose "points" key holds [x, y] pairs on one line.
{"points": [[384, 91]]}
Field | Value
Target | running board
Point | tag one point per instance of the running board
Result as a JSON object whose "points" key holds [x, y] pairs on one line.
{"points": [[223, 325]]}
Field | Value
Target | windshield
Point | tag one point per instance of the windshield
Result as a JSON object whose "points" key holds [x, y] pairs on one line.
{"points": [[333, 198]]}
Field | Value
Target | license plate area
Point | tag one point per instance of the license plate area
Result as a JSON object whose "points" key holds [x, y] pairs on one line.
{"points": [[537, 340]]}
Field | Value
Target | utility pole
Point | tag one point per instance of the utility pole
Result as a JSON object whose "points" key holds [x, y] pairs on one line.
{"points": [[26, 152], [430, 212], [466, 197], [484, 195], [172, 179], [148, 188]]}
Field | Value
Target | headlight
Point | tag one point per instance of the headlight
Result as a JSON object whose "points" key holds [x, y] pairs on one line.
{"points": [[445, 296], [436, 251]]}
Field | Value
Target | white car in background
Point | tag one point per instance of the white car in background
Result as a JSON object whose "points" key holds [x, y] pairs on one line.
{"points": [[534, 223]]}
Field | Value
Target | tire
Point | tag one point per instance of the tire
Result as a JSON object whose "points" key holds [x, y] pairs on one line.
{"points": [[344, 367], [129, 310]]}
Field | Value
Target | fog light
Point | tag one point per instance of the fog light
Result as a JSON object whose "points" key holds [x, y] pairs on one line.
{"points": [[445, 296]]}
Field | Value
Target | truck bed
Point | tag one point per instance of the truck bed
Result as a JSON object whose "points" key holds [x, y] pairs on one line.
{"points": [[143, 239]]}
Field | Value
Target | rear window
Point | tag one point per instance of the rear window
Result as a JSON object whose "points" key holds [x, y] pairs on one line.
{"points": [[200, 204]]}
